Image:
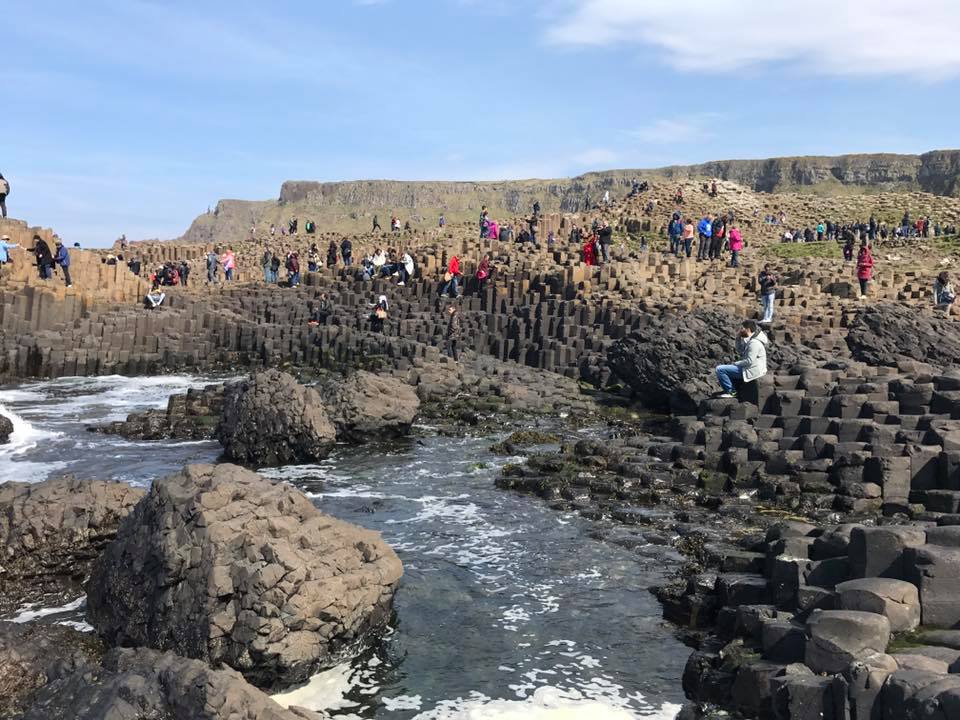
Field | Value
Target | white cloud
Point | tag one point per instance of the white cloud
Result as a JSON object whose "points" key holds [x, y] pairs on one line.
{"points": [[673, 131], [852, 37], [596, 156]]}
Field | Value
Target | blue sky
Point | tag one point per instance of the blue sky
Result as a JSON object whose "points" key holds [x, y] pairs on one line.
{"points": [[131, 116]]}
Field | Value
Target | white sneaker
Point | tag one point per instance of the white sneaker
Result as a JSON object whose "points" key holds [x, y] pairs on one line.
{"points": [[400, 284], [726, 396]]}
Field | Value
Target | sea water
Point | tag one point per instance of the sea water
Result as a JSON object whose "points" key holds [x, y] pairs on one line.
{"points": [[507, 609]]}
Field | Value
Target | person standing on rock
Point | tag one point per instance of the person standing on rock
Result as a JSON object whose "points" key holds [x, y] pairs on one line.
{"points": [[485, 272], [41, 252], [443, 221], [705, 231], [943, 292], [768, 292], [184, 272], [736, 246], [346, 252], [293, 270], [864, 268], [688, 234], [229, 262], [213, 259], [752, 365], [451, 279], [265, 264], [4, 191], [454, 332], [376, 224], [718, 232], [605, 236], [62, 258], [5, 247]]}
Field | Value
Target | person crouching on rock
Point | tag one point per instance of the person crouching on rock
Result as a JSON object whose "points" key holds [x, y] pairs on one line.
{"points": [[154, 298], [752, 348], [454, 331]]}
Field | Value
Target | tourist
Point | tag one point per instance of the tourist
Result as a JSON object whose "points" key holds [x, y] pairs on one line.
{"points": [[678, 196], [292, 226], [718, 232], [674, 231], [274, 269], [768, 292], [4, 191], [688, 235], [406, 269], [395, 225], [864, 268], [454, 331], [536, 208], [41, 252], [752, 365], [443, 221], [229, 262], [62, 258], [705, 231], [713, 188], [213, 259], [154, 298], [736, 246], [265, 264], [379, 259], [5, 247], [331, 254], [293, 270], [184, 272], [321, 311], [346, 252], [273, 230], [606, 198], [943, 293], [134, 266], [376, 224], [310, 227], [485, 272], [313, 258], [848, 249], [379, 314], [451, 279], [605, 236], [590, 251]]}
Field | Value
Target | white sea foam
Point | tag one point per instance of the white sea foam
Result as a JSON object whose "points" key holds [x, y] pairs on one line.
{"points": [[29, 613], [24, 438]]}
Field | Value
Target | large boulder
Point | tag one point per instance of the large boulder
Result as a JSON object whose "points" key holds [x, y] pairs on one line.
{"points": [[668, 360], [144, 684], [51, 531], [897, 600], [365, 406], [6, 429], [218, 564], [271, 419], [887, 333], [31, 653]]}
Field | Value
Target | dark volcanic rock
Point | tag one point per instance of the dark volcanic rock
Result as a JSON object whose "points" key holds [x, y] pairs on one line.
{"points": [[51, 532], [669, 362], [144, 684], [30, 654], [885, 334], [189, 416], [218, 564], [271, 419], [6, 429], [366, 407]]}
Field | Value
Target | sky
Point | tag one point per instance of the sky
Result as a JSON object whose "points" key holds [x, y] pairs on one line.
{"points": [[129, 116]]}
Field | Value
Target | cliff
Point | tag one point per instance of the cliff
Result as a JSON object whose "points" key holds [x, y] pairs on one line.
{"points": [[350, 206]]}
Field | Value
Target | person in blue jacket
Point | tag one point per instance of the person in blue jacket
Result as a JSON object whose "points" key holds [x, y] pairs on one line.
{"points": [[62, 258], [705, 230]]}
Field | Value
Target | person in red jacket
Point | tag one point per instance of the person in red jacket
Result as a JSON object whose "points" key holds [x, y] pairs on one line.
{"points": [[451, 282], [864, 268], [590, 251]]}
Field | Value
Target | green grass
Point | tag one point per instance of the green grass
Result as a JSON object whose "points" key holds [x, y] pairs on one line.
{"points": [[788, 251]]}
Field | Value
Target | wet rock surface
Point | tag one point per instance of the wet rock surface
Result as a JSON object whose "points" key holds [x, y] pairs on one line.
{"points": [[365, 406], [6, 429], [190, 416], [887, 333], [271, 419], [136, 684], [52, 531], [221, 565]]}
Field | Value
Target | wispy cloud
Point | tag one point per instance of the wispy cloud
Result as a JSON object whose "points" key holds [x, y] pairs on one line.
{"points": [[676, 131], [595, 157], [855, 37]]}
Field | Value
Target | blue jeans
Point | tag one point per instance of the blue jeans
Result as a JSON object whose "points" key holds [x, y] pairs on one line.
{"points": [[688, 246], [266, 274], [294, 279], [767, 299], [726, 374], [451, 285], [228, 274], [735, 258]]}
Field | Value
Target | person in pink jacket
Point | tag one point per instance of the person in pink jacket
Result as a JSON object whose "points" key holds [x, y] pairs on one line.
{"points": [[736, 245], [229, 262]]}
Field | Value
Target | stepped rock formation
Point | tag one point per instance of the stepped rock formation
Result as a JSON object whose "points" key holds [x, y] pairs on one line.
{"points": [[218, 564], [52, 531]]}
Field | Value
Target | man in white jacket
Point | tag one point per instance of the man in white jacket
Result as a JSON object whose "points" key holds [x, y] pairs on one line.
{"points": [[752, 347]]}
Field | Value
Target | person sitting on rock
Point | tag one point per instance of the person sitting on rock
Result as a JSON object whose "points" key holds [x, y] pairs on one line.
{"points": [[154, 298], [752, 348], [379, 314], [451, 279], [321, 311], [943, 293]]}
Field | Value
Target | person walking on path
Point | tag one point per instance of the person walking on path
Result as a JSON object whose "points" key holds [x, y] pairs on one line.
{"points": [[4, 191], [736, 246], [752, 365], [62, 258], [376, 224], [454, 331], [768, 292], [864, 268]]}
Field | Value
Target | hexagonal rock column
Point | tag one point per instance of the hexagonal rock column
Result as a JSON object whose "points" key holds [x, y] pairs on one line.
{"points": [[218, 564], [838, 637], [897, 600]]}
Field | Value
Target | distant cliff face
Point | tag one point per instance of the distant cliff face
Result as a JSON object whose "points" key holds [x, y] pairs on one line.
{"points": [[349, 206]]}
